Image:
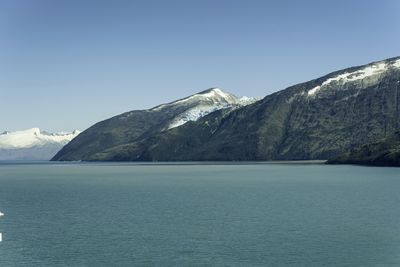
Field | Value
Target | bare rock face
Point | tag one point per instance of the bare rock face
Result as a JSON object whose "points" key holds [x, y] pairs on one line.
{"points": [[384, 152]]}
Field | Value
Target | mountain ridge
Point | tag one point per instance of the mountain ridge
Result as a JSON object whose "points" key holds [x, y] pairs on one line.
{"points": [[318, 119], [137, 124], [32, 144]]}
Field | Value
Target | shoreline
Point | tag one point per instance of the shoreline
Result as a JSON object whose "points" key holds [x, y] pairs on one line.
{"points": [[165, 163]]}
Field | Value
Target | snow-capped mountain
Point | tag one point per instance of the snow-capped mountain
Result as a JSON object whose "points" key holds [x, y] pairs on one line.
{"points": [[32, 144], [138, 125], [319, 119], [203, 103]]}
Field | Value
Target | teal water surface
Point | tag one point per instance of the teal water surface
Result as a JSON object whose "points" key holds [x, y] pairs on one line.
{"points": [[199, 215]]}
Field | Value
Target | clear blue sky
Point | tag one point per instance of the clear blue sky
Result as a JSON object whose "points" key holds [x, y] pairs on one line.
{"points": [[65, 65]]}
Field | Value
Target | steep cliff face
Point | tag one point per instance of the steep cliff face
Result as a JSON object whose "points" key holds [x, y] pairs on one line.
{"points": [[334, 113], [319, 119], [384, 152]]}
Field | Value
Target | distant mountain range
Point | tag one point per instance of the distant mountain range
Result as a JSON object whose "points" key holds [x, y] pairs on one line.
{"points": [[318, 119], [32, 144]]}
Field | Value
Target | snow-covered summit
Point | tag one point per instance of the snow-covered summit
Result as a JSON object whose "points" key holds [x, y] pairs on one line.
{"points": [[209, 95], [33, 137], [203, 103]]}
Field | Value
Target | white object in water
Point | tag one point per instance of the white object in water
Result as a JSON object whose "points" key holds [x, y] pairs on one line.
{"points": [[1, 235]]}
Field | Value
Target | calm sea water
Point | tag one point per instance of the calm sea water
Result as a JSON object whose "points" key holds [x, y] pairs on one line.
{"points": [[199, 215]]}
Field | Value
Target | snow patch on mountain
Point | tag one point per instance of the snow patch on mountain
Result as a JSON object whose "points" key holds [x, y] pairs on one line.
{"points": [[195, 113], [202, 104], [373, 71], [396, 64]]}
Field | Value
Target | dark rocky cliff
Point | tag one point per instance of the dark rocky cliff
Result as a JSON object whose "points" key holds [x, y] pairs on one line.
{"points": [[384, 152]]}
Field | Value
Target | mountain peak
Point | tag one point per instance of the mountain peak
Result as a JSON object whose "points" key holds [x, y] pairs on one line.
{"points": [[213, 90], [212, 94], [200, 104], [210, 90]]}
